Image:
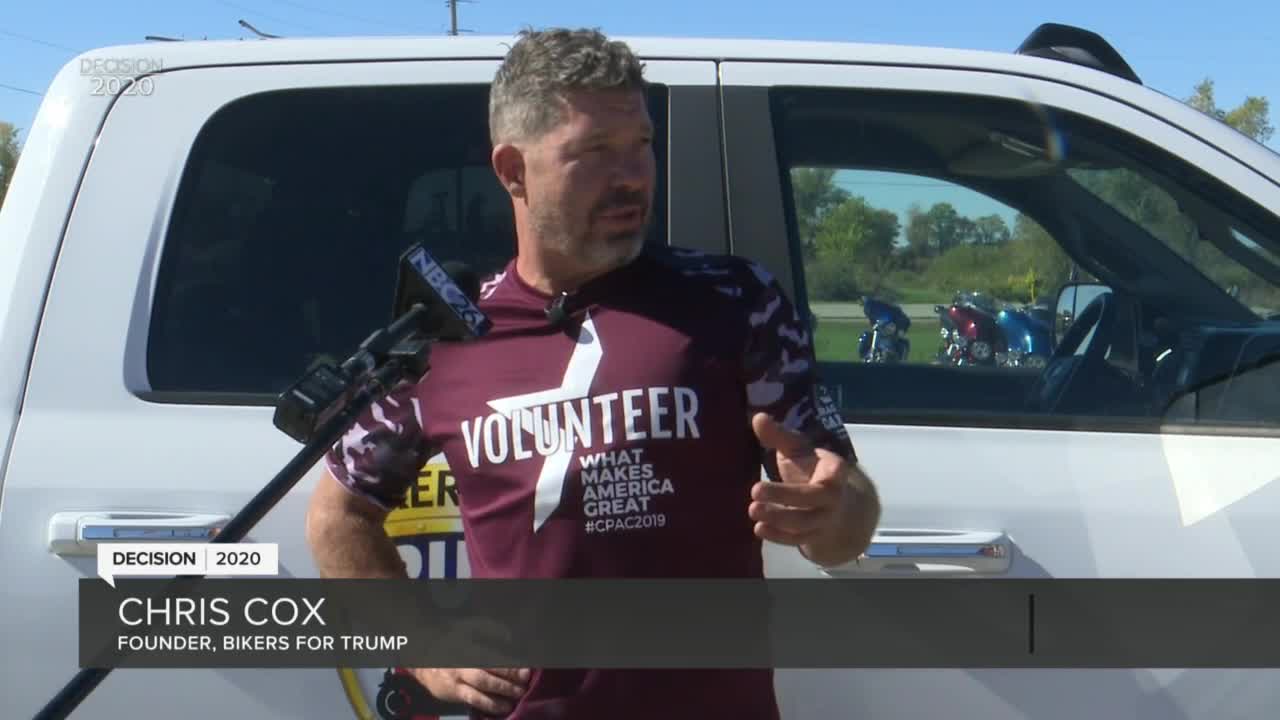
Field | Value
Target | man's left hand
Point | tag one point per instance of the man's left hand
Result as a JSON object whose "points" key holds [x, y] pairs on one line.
{"points": [[823, 505]]}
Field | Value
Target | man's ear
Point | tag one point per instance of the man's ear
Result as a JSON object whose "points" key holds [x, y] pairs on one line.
{"points": [[508, 164]]}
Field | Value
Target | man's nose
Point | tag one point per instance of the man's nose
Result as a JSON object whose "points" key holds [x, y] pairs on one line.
{"points": [[633, 171]]}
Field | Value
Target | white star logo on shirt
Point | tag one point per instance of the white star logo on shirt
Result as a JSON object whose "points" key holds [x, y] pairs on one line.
{"points": [[578, 376]]}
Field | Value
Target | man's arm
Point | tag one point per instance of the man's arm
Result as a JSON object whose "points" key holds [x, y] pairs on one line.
{"points": [[346, 534], [821, 502], [854, 523], [367, 473]]}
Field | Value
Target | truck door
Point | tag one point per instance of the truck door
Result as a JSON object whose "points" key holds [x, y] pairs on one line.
{"points": [[234, 225]]}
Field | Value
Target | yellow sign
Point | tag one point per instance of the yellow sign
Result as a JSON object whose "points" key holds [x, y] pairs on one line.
{"points": [[430, 507]]}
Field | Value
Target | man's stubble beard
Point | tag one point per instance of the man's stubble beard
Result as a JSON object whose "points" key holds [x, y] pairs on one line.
{"points": [[592, 254]]}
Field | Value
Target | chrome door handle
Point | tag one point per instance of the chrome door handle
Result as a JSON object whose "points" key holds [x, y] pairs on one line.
{"points": [[914, 552], [78, 533]]}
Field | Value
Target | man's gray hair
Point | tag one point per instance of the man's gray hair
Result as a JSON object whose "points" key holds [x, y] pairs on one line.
{"points": [[526, 99]]}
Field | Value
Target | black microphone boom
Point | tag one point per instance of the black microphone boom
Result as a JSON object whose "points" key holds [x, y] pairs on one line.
{"points": [[429, 306], [319, 408]]}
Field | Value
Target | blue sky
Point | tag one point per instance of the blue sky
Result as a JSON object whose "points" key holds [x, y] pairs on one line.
{"points": [[1171, 47]]}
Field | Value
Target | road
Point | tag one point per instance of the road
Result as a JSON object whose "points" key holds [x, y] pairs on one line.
{"points": [[853, 310]]}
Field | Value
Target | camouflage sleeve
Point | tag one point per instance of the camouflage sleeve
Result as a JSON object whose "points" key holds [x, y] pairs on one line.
{"points": [[780, 370], [381, 454]]}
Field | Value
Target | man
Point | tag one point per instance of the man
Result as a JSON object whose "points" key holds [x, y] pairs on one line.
{"points": [[691, 369]]}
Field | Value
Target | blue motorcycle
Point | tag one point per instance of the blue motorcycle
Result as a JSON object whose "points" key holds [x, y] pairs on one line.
{"points": [[886, 340], [1028, 337]]}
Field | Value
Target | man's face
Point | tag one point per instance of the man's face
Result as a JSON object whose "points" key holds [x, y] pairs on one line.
{"points": [[590, 181]]}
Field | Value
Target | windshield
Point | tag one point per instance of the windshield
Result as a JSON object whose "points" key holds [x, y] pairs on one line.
{"points": [[1219, 247]]}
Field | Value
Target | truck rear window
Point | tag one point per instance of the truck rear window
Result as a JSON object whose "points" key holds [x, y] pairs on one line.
{"points": [[291, 214]]}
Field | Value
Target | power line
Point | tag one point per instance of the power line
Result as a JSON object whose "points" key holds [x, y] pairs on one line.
{"points": [[344, 16], [37, 41], [21, 90], [265, 16]]}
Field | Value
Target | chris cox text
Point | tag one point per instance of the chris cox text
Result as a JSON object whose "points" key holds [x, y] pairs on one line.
{"points": [[217, 611]]}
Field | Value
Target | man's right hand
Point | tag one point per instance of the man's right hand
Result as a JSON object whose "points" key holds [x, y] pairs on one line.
{"points": [[493, 691]]}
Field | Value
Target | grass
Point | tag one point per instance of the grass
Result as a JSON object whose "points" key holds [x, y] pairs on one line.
{"points": [[837, 340]]}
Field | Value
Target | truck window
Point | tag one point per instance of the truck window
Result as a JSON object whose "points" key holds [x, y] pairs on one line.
{"points": [[291, 214], [940, 237]]}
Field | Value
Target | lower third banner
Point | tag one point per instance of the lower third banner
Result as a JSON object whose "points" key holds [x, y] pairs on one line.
{"points": [[951, 623]]}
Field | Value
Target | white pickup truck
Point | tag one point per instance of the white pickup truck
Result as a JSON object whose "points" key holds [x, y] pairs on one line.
{"points": [[180, 240]]}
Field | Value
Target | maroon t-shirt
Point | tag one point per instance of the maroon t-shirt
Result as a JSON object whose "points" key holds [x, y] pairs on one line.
{"points": [[615, 443]]}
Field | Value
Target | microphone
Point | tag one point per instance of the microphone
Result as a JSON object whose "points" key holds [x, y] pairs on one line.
{"points": [[556, 311], [467, 280], [430, 306], [444, 296]]}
